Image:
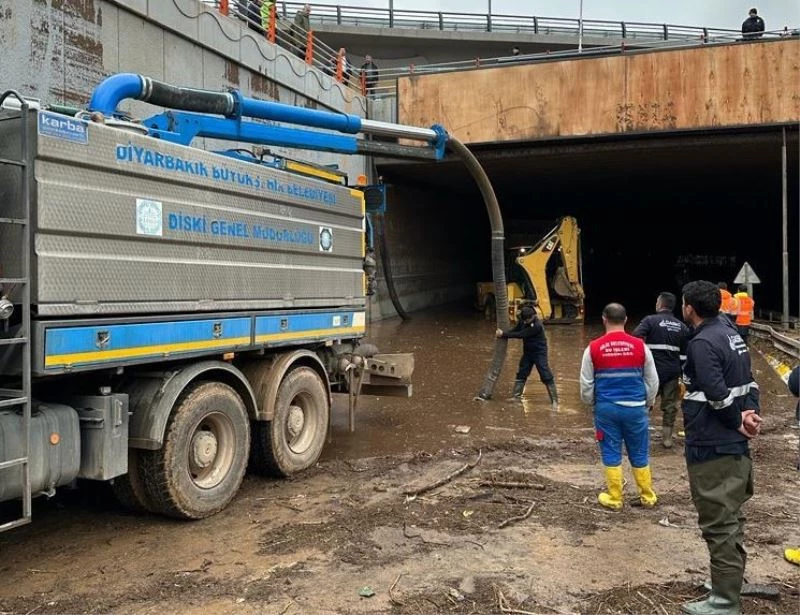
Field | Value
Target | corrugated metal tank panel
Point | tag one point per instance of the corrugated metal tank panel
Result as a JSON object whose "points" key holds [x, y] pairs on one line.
{"points": [[130, 224]]}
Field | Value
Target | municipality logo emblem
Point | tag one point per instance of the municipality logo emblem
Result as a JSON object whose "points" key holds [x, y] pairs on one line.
{"points": [[325, 239], [149, 219]]}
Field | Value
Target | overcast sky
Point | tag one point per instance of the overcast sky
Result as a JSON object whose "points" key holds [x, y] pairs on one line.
{"points": [[711, 13]]}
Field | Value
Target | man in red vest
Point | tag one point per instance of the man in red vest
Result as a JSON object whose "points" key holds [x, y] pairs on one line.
{"points": [[618, 376]]}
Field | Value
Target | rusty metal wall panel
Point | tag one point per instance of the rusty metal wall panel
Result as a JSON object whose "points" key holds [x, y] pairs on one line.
{"points": [[742, 84]]}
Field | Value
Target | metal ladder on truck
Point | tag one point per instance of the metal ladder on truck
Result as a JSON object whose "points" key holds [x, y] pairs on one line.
{"points": [[19, 397]]}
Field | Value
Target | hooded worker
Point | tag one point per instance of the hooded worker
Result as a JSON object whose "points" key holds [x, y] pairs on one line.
{"points": [[534, 353]]}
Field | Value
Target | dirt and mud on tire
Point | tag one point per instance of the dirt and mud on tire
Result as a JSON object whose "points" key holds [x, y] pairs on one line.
{"points": [[201, 464]]}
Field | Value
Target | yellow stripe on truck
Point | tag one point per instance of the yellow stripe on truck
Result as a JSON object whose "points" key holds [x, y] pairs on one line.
{"points": [[141, 351], [288, 335]]}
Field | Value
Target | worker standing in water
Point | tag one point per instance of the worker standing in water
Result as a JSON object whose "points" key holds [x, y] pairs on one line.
{"points": [[534, 353], [666, 338]]}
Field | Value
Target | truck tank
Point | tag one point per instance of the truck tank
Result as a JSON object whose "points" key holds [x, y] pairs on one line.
{"points": [[124, 223]]}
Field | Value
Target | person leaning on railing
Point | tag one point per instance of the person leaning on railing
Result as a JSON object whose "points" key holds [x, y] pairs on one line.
{"points": [[753, 26], [300, 28], [369, 75]]}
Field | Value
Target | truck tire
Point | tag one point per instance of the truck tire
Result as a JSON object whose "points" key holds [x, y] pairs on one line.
{"points": [[129, 488], [293, 440], [203, 459]]}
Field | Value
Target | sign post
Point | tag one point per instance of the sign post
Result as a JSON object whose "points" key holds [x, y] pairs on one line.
{"points": [[747, 277]]}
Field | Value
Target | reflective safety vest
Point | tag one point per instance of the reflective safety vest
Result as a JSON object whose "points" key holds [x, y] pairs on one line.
{"points": [[744, 311], [728, 305]]}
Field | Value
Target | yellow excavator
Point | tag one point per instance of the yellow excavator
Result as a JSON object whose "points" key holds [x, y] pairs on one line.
{"points": [[546, 275]]}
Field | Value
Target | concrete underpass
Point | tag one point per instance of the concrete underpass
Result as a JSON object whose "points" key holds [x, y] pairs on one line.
{"points": [[655, 210]]}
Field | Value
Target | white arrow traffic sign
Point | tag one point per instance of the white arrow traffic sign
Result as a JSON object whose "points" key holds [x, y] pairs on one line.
{"points": [[746, 275]]}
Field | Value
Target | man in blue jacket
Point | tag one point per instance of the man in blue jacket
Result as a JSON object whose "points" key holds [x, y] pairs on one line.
{"points": [[534, 353], [720, 416], [666, 337]]}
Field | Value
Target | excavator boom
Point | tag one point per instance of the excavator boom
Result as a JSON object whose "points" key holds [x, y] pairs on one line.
{"points": [[546, 274]]}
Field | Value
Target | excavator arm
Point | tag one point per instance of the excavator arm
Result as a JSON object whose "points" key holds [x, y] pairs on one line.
{"points": [[565, 281]]}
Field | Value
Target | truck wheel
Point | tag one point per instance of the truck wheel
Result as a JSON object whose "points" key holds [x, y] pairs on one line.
{"points": [[204, 456], [129, 488], [490, 308], [293, 440]]}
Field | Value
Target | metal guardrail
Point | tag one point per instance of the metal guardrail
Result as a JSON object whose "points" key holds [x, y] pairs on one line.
{"points": [[784, 343], [343, 15]]}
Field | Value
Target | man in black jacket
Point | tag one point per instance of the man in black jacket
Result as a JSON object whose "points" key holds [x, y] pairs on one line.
{"points": [[720, 416], [369, 74], [534, 353], [666, 337], [753, 26]]}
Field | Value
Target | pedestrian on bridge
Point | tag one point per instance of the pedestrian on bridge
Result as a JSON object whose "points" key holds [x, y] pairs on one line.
{"points": [[753, 26], [666, 338], [534, 353], [720, 415], [369, 75], [299, 30], [619, 377]]}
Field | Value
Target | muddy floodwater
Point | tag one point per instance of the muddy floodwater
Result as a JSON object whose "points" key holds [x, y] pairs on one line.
{"points": [[408, 515], [453, 349]]}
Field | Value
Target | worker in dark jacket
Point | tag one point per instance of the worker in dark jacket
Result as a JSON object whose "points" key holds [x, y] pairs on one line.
{"points": [[720, 416], [534, 353], [666, 337], [753, 26]]}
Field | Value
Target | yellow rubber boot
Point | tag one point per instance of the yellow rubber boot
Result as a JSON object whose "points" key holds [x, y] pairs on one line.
{"points": [[612, 498], [644, 481], [792, 555]]}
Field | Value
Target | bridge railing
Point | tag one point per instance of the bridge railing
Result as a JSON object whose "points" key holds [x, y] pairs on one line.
{"points": [[344, 15], [387, 84]]}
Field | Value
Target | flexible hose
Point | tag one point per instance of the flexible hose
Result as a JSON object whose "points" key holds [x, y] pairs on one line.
{"points": [[498, 262], [386, 263]]}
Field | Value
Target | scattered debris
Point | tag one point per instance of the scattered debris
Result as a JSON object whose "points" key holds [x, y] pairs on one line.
{"points": [[462, 428], [446, 479], [521, 517], [512, 485], [366, 592], [667, 523]]}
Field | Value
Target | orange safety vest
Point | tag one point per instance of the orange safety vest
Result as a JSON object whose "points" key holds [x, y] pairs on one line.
{"points": [[744, 313], [728, 305]]}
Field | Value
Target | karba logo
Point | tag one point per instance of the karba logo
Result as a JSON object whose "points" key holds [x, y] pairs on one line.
{"points": [[58, 123]]}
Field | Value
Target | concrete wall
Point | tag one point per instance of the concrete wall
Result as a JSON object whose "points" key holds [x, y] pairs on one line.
{"points": [[431, 247], [732, 85]]}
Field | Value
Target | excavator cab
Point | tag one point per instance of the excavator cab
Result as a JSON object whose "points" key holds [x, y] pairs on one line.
{"points": [[546, 274]]}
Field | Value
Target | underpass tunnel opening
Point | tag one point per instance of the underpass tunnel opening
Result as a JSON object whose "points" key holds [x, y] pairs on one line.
{"points": [[654, 213]]}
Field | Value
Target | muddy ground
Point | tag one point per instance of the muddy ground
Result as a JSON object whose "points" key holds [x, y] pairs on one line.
{"points": [[515, 529]]}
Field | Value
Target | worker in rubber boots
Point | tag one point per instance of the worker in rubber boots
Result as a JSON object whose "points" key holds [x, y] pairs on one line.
{"points": [[666, 337], [618, 376], [720, 416], [534, 353]]}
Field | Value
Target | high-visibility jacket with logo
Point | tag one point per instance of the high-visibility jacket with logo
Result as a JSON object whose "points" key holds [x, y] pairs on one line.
{"points": [[744, 311], [728, 305]]}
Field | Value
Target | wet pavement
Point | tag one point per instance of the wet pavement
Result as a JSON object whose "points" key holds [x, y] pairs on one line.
{"points": [[453, 349]]}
